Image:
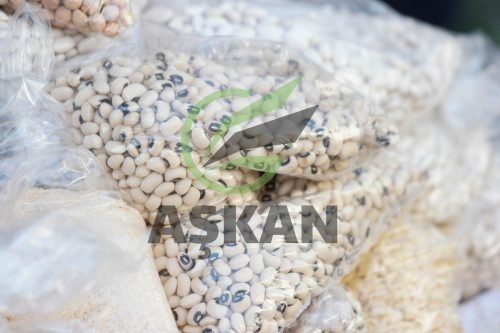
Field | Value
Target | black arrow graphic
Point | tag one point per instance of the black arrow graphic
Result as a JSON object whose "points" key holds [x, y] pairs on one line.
{"points": [[281, 130]]}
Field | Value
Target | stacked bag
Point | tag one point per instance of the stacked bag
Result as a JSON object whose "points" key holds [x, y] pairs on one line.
{"points": [[108, 122]]}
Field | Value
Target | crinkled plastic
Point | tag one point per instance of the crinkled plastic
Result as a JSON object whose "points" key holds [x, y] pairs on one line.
{"points": [[265, 286], [476, 229], [64, 237], [156, 120], [334, 311], [108, 17], [474, 101], [405, 66], [406, 283]]}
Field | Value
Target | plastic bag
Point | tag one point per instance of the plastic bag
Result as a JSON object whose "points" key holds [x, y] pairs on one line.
{"points": [[406, 282], [404, 66], [474, 101], [476, 229], [334, 311], [108, 17], [133, 113], [264, 286], [77, 251]]}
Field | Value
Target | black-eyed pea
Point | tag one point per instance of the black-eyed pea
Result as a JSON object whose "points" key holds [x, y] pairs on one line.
{"points": [[142, 172], [182, 186], [180, 314], [174, 301], [192, 197], [92, 141], [172, 200]]}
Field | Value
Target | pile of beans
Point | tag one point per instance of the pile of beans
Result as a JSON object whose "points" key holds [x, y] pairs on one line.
{"points": [[404, 66], [250, 287], [406, 282], [104, 16], [130, 112]]}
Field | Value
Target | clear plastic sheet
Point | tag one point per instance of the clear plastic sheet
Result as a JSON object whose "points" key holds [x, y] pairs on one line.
{"points": [[476, 229], [334, 311], [403, 65], [148, 120], [246, 286], [406, 283], [64, 237], [474, 101], [108, 17]]}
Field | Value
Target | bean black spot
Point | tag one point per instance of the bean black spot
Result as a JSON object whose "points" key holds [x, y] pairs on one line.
{"points": [[160, 56], [135, 143], [167, 85], [314, 169], [222, 87], [183, 93], [281, 307], [285, 161], [271, 186], [268, 147], [304, 154], [136, 99], [81, 120], [222, 182], [193, 109], [107, 64], [326, 142], [266, 198], [159, 76], [151, 142], [320, 132], [226, 120], [214, 127], [106, 101], [207, 330], [361, 201], [122, 136], [230, 166], [198, 316], [124, 108], [89, 83], [287, 146], [176, 79], [210, 83], [163, 272], [202, 194]]}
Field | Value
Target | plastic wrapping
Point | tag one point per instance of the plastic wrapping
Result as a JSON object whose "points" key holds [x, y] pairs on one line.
{"points": [[476, 229], [148, 119], [105, 16], [71, 253], [334, 311], [246, 286], [474, 101], [404, 66], [406, 283]]}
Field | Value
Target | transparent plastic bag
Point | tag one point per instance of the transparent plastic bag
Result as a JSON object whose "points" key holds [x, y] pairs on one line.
{"points": [[476, 229], [108, 17], [334, 311], [406, 283], [403, 65], [474, 101], [148, 120], [265, 286], [74, 249]]}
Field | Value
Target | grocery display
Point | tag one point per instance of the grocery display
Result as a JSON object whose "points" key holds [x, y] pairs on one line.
{"points": [[217, 166]]}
